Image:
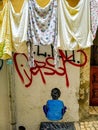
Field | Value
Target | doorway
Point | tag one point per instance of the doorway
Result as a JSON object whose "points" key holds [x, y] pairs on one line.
{"points": [[94, 73]]}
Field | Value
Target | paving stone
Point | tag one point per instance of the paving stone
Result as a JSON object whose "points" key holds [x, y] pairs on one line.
{"points": [[77, 126], [88, 128], [92, 128], [93, 125]]}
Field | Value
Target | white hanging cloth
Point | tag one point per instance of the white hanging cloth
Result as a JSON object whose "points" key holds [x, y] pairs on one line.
{"points": [[19, 24], [5, 34], [42, 27], [74, 25], [94, 16]]}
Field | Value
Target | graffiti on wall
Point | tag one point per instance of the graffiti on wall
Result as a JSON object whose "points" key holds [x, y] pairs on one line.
{"points": [[1, 64], [46, 67]]}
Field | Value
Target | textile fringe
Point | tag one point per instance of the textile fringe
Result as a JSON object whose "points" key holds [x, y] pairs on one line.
{"points": [[30, 54], [56, 59]]}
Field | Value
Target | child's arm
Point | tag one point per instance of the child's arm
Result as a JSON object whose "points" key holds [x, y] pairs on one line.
{"points": [[64, 109], [45, 109]]}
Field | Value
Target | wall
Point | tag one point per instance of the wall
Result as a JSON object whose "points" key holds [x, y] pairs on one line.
{"points": [[4, 95], [32, 89], [4, 98], [84, 91]]}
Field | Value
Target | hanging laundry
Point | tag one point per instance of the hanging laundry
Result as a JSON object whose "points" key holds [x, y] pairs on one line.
{"points": [[5, 34], [42, 27], [74, 25], [19, 24], [94, 16], [42, 23]]}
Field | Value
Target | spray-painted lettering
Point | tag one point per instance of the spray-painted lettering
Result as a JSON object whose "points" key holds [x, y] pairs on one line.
{"points": [[47, 68]]}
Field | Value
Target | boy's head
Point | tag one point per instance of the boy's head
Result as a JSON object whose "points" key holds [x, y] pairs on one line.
{"points": [[55, 93]]}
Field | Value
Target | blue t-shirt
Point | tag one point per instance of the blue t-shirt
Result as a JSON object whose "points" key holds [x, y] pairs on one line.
{"points": [[54, 109]]}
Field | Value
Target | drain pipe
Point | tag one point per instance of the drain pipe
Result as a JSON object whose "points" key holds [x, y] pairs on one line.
{"points": [[12, 94]]}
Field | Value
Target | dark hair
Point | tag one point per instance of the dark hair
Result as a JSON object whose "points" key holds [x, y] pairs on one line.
{"points": [[55, 93]]}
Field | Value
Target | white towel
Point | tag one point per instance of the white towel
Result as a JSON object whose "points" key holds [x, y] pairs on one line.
{"points": [[74, 25], [19, 24]]}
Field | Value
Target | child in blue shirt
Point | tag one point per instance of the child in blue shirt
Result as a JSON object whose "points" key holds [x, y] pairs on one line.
{"points": [[54, 108]]}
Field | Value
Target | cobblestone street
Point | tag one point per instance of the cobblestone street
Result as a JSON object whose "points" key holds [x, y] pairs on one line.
{"points": [[91, 125], [88, 125]]}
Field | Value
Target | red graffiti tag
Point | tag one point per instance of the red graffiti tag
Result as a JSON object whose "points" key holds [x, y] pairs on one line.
{"points": [[46, 68]]}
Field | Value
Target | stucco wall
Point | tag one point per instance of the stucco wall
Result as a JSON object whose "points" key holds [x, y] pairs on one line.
{"points": [[33, 90], [84, 87], [4, 98], [84, 90]]}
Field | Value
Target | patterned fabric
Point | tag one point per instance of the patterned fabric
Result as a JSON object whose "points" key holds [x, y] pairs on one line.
{"points": [[42, 27], [94, 16], [5, 34], [19, 24], [74, 25]]}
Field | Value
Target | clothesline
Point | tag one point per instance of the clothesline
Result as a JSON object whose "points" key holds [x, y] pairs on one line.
{"points": [[59, 24]]}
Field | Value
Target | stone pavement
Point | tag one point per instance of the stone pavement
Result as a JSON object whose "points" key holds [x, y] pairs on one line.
{"points": [[87, 125]]}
